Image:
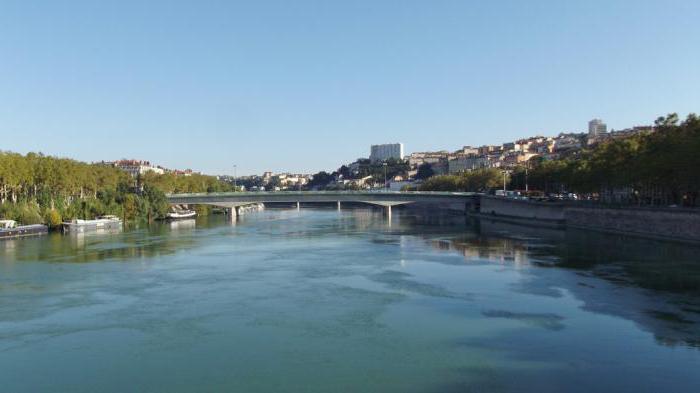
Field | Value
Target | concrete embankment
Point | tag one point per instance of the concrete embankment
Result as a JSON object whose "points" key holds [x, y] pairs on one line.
{"points": [[661, 223], [669, 223], [522, 211], [451, 208]]}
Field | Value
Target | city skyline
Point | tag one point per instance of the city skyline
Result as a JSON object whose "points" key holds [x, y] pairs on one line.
{"points": [[407, 155], [308, 86]]}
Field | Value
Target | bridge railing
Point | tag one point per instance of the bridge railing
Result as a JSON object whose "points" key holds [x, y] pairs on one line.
{"points": [[302, 193]]}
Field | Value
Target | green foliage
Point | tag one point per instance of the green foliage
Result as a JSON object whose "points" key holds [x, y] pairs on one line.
{"points": [[320, 179], [425, 171], [275, 181], [130, 204], [393, 168], [155, 203], [656, 168], [442, 183], [480, 180], [52, 218], [170, 183], [35, 188], [23, 212]]}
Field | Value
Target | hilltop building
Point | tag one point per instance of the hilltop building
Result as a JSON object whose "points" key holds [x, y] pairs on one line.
{"points": [[138, 167], [386, 151], [596, 128]]}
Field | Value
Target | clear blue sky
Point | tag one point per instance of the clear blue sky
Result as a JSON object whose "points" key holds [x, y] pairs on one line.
{"points": [[309, 85]]}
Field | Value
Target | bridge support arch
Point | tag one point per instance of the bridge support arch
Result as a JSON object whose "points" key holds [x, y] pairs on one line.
{"points": [[388, 205]]}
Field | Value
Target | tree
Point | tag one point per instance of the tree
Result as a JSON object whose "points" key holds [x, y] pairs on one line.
{"points": [[319, 180], [657, 168], [425, 171], [36, 188], [479, 180], [344, 171], [156, 203]]}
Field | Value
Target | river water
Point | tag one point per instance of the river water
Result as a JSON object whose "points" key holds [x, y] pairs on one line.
{"points": [[325, 301]]}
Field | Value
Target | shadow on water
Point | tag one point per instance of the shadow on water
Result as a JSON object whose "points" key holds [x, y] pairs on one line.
{"points": [[660, 281]]}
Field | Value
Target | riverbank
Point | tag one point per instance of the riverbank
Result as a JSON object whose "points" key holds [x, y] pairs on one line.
{"points": [[674, 224]]}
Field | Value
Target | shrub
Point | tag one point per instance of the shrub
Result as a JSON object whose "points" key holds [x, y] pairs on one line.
{"points": [[53, 218]]}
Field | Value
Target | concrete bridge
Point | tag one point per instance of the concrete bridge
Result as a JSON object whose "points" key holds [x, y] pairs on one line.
{"points": [[387, 199]]}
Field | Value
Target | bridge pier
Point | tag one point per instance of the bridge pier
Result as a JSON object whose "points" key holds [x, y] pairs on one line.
{"points": [[298, 205], [232, 212], [338, 205], [387, 206]]}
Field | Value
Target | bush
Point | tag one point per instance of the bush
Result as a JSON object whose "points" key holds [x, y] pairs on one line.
{"points": [[29, 214], [53, 219]]}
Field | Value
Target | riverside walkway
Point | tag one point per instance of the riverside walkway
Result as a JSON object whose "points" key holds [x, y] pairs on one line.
{"points": [[387, 199]]}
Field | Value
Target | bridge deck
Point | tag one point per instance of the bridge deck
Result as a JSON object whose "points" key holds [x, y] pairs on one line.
{"points": [[225, 198]]}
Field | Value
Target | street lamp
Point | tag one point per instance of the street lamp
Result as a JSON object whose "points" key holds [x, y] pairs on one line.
{"points": [[384, 165], [504, 180], [527, 167]]}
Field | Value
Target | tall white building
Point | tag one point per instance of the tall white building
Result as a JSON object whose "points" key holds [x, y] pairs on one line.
{"points": [[386, 151], [596, 127]]}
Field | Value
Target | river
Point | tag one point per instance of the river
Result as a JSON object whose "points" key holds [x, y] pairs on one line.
{"points": [[324, 301]]}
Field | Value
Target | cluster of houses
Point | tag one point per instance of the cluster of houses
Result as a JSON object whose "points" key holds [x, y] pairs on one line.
{"points": [[270, 181], [512, 154], [141, 167], [506, 156], [292, 181]]}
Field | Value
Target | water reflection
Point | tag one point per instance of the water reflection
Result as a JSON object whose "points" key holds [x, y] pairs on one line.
{"points": [[188, 224], [80, 239], [141, 242], [544, 320], [318, 300], [656, 284]]}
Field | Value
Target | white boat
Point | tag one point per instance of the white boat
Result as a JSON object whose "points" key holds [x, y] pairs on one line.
{"points": [[9, 228], [181, 214], [107, 222]]}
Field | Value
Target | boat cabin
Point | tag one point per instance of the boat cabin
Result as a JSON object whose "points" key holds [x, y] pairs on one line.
{"points": [[8, 224]]}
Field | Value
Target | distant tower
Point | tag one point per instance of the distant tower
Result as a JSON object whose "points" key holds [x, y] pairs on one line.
{"points": [[386, 151], [596, 127]]}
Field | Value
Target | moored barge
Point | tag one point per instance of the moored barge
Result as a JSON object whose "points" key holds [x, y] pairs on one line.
{"points": [[100, 223], [10, 229]]}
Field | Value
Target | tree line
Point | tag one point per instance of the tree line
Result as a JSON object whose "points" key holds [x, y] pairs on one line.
{"points": [[658, 168], [35, 188], [378, 170], [478, 180]]}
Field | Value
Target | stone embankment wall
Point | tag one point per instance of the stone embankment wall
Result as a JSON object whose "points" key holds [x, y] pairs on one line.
{"points": [[454, 207], [515, 208], [681, 224], [663, 223]]}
